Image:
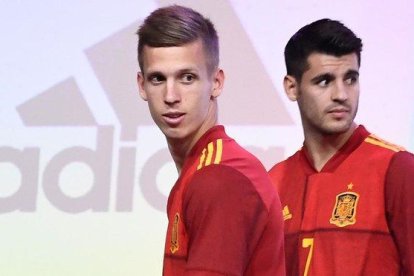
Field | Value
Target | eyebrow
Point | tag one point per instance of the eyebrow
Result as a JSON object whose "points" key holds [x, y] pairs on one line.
{"points": [[352, 73], [187, 70], [325, 76], [179, 72], [329, 76]]}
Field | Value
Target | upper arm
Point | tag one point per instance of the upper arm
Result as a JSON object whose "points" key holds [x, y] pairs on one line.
{"points": [[399, 195], [224, 218]]}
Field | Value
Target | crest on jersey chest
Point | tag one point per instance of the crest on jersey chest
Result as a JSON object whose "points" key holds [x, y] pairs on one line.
{"points": [[344, 211]]}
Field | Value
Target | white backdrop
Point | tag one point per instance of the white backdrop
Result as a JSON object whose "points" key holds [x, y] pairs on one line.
{"points": [[84, 173]]}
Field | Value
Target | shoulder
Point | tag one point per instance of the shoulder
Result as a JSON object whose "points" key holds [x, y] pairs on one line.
{"points": [[403, 158], [402, 163], [380, 143], [375, 150], [399, 182], [226, 151], [227, 155], [220, 183], [283, 165], [217, 174]]}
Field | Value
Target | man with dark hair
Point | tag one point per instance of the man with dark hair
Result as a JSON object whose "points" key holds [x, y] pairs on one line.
{"points": [[347, 195], [224, 214]]}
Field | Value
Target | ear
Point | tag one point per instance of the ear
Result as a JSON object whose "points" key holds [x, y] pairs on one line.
{"points": [[218, 83], [291, 87], [141, 81]]}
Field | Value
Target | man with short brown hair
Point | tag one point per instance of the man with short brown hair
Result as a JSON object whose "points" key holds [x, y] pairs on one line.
{"points": [[224, 215]]}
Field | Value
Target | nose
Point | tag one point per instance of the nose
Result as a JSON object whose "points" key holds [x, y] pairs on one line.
{"points": [[340, 92], [171, 95]]}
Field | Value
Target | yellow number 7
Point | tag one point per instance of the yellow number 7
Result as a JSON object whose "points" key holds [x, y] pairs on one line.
{"points": [[308, 242]]}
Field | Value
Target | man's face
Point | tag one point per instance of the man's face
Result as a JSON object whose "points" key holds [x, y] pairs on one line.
{"points": [[180, 90], [328, 93]]}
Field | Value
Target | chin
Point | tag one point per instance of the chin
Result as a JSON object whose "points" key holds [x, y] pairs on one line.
{"points": [[173, 133], [337, 128]]}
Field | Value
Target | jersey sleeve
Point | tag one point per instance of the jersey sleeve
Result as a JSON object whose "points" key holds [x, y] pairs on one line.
{"points": [[399, 199], [225, 217]]}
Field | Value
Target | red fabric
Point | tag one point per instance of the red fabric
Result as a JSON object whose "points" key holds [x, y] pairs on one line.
{"points": [[399, 191], [230, 214], [372, 244]]}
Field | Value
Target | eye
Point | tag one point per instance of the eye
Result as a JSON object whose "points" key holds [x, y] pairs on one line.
{"points": [[323, 82], [351, 80], [188, 78], [156, 79]]}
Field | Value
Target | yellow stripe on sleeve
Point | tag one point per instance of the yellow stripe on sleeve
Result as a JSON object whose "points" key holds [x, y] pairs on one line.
{"points": [[202, 157], [219, 151], [210, 150], [379, 142]]}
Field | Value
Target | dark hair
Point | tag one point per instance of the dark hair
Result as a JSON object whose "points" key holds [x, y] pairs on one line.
{"points": [[175, 26], [324, 36]]}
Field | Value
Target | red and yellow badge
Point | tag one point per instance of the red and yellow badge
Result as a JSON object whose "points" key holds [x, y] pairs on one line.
{"points": [[174, 234], [344, 212]]}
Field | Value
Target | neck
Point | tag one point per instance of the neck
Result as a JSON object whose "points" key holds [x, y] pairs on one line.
{"points": [[321, 147], [179, 151], [181, 147]]}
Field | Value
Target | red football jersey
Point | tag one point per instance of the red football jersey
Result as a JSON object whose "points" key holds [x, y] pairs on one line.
{"points": [[337, 221], [224, 214]]}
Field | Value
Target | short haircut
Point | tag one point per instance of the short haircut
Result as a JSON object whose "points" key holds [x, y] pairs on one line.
{"points": [[324, 36], [176, 26]]}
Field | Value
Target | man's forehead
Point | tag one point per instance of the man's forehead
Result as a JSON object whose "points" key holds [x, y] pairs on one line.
{"points": [[319, 61], [324, 57], [188, 57], [198, 43]]}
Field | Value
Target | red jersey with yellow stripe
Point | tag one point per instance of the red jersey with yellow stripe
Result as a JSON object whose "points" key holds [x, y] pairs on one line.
{"points": [[224, 214], [336, 220]]}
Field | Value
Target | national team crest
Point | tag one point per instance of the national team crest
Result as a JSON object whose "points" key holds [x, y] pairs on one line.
{"points": [[344, 211], [174, 234]]}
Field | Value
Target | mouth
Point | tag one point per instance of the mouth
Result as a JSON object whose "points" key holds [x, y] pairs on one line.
{"points": [[173, 118], [338, 112]]}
